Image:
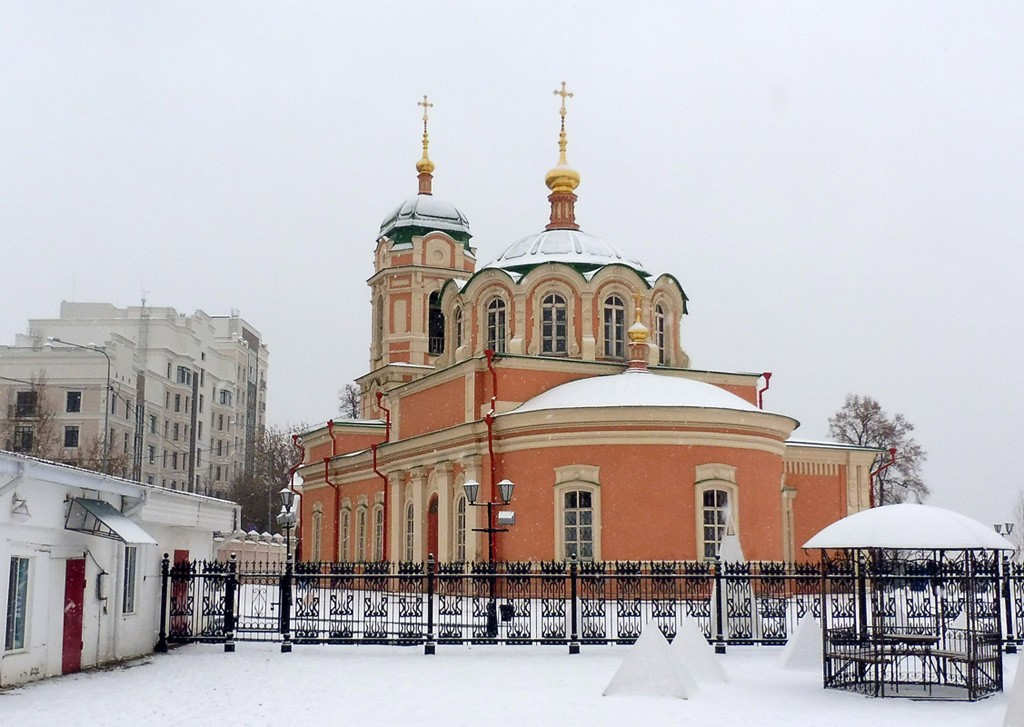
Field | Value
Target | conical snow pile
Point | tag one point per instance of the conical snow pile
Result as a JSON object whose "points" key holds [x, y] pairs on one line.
{"points": [[695, 655], [650, 669], [803, 650]]}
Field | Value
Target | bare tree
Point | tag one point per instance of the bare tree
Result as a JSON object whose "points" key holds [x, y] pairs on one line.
{"points": [[349, 404], [275, 456], [862, 421], [31, 424]]}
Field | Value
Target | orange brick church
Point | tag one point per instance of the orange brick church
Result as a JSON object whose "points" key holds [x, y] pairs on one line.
{"points": [[557, 366]]}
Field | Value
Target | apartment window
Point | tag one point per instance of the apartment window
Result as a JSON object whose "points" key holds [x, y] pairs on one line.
{"points": [[177, 430], [174, 484], [152, 454], [344, 527], [361, 534], [199, 457], [25, 404], [17, 604], [71, 436], [186, 404], [220, 422], [152, 424], [460, 529], [216, 473], [131, 554], [22, 439], [168, 370], [496, 327], [74, 402], [220, 447], [149, 479], [714, 515], [126, 442], [184, 375], [225, 397], [201, 397], [410, 531], [167, 400], [128, 409], [614, 327], [199, 430], [659, 334], [164, 464], [174, 460], [553, 335], [167, 427], [378, 533], [578, 523], [177, 402], [113, 403]]}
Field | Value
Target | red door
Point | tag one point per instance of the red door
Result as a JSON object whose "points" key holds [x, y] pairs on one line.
{"points": [[74, 599], [432, 527]]}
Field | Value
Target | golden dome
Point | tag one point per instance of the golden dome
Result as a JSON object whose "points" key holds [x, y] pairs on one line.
{"points": [[424, 165], [638, 332]]}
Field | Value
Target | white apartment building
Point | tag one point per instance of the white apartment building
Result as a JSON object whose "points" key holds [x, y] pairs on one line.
{"points": [[186, 394]]}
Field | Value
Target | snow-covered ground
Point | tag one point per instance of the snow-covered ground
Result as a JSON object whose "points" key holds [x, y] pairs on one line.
{"points": [[327, 685]]}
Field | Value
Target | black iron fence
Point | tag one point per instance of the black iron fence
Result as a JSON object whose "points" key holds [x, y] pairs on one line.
{"points": [[561, 603]]}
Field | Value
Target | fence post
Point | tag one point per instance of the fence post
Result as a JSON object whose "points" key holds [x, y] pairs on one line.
{"points": [[286, 606], [229, 604], [1011, 642], [719, 637], [574, 641], [430, 647], [165, 576]]}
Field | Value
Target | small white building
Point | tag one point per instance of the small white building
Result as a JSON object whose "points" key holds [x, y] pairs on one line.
{"points": [[80, 559]]}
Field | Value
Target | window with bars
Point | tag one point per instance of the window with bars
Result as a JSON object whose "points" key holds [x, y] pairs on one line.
{"points": [[553, 326]]}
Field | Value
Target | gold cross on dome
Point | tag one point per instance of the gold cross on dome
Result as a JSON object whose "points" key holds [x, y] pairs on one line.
{"points": [[564, 94], [426, 105]]}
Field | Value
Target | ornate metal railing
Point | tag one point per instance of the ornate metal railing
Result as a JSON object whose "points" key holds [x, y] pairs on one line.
{"points": [[565, 603]]}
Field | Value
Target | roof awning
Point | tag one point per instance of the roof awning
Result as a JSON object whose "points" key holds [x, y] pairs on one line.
{"points": [[100, 518]]}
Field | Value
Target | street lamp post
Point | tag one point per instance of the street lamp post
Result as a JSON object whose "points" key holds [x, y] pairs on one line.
{"points": [[286, 519], [106, 398], [1005, 529], [505, 487]]}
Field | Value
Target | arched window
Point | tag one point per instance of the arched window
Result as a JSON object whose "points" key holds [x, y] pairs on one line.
{"points": [[614, 327], [715, 514], [435, 325], [578, 523], [361, 534], [659, 334], [460, 529], [378, 533], [458, 327], [378, 327], [410, 524], [553, 325], [318, 527], [345, 532], [496, 328]]}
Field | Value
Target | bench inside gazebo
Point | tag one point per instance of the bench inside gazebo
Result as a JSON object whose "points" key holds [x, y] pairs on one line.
{"points": [[911, 604]]}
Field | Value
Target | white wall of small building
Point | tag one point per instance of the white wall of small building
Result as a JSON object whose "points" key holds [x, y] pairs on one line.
{"points": [[176, 520]]}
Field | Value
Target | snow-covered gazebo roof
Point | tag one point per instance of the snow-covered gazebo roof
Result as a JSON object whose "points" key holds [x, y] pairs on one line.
{"points": [[908, 526]]}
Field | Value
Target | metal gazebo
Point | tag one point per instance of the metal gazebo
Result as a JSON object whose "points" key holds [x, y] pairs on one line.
{"points": [[911, 604]]}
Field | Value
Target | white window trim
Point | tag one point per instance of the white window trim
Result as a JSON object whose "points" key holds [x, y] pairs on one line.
{"points": [[344, 532], [576, 477], [130, 581], [572, 345], [318, 532], [714, 477], [627, 312], [485, 319]]}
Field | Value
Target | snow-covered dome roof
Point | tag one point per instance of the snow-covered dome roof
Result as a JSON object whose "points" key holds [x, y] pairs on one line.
{"points": [[908, 526], [428, 212], [572, 247], [635, 388]]}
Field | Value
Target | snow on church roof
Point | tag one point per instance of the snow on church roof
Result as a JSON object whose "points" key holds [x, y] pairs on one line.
{"points": [[426, 210], [571, 247], [635, 388], [908, 526]]}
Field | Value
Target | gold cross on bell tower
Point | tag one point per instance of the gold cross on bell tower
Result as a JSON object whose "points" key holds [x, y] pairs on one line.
{"points": [[424, 166], [564, 94]]}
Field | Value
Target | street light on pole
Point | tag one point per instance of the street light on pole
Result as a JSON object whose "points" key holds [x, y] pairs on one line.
{"points": [[106, 397], [286, 519], [505, 488]]}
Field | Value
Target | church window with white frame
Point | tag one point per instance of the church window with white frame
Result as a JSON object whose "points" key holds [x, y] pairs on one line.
{"points": [[614, 327], [318, 527], [554, 325], [361, 534], [460, 529], [496, 325], [660, 340], [714, 518], [578, 523], [378, 533], [345, 530], [410, 527]]}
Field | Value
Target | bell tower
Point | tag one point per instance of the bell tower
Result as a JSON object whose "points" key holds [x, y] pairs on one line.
{"points": [[422, 244]]}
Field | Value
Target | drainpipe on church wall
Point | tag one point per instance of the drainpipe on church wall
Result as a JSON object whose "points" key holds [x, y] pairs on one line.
{"points": [[880, 470], [767, 376]]}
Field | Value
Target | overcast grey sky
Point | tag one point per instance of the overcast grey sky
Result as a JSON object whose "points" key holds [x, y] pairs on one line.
{"points": [[838, 186]]}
